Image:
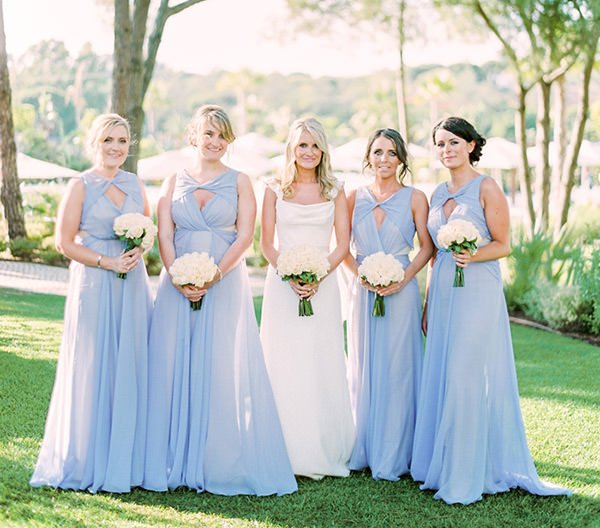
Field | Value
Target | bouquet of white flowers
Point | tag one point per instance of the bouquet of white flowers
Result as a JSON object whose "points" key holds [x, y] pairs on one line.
{"points": [[380, 269], [136, 230], [305, 264], [455, 236], [195, 269]]}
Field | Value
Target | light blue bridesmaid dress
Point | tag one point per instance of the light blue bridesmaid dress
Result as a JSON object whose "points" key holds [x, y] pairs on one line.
{"points": [[95, 430], [469, 438], [212, 423], [385, 353]]}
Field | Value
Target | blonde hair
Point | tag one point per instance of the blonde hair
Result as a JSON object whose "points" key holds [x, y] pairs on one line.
{"points": [[325, 176], [100, 128], [216, 116]]}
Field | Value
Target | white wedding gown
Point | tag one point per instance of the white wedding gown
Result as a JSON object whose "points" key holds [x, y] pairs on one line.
{"points": [[305, 355]]}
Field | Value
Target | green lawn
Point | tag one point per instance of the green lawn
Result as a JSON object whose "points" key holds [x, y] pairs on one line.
{"points": [[560, 400]]}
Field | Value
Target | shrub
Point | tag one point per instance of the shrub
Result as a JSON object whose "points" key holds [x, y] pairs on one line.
{"points": [[24, 248], [560, 307], [540, 257], [51, 257], [588, 280], [256, 258], [153, 262]]}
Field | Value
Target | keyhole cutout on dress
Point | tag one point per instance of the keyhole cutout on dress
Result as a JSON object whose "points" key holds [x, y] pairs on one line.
{"points": [[202, 197], [449, 206], [116, 196], [378, 216]]}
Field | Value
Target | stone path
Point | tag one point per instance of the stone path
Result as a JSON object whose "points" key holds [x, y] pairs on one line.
{"points": [[39, 278]]}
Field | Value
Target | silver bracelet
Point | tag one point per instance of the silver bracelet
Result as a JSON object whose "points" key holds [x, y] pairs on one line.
{"points": [[99, 261]]}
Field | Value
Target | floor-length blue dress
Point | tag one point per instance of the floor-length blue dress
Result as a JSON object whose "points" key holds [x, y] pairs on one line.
{"points": [[212, 425], [385, 353], [470, 438], [95, 430]]}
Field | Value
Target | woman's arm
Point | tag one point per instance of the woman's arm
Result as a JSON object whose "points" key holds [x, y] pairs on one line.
{"points": [[495, 208], [341, 224], [349, 260], [166, 226], [67, 226], [267, 228], [246, 217]]}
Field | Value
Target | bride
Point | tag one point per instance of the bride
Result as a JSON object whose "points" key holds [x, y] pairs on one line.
{"points": [[305, 355]]}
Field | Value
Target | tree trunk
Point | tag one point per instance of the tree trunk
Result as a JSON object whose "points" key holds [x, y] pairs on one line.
{"points": [[568, 177], [524, 169], [560, 140], [542, 143], [401, 76], [132, 73], [10, 193]]}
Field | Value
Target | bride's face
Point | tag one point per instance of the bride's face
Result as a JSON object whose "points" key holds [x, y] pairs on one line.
{"points": [[308, 155]]}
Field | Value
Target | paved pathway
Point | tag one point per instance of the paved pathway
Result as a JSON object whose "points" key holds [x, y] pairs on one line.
{"points": [[40, 278]]}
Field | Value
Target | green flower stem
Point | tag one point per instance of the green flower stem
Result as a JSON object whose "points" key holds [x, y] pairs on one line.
{"points": [[459, 277], [378, 306]]}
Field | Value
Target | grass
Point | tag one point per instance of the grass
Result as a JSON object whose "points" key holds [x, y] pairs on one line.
{"points": [[560, 402]]}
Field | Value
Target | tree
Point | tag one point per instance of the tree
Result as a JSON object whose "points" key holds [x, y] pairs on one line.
{"points": [[392, 15], [10, 194], [552, 30], [132, 71]]}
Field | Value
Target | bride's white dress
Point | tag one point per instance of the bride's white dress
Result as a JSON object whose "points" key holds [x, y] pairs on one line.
{"points": [[305, 355]]}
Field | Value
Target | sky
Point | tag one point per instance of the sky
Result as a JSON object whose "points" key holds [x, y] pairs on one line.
{"points": [[228, 35]]}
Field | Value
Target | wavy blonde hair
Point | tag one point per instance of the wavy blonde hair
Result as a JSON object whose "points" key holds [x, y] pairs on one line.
{"points": [[325, 176], [100, 128], [216, 116]]}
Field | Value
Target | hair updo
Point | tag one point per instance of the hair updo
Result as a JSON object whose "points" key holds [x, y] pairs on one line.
{"points": [[216, 116], [463, 129]]}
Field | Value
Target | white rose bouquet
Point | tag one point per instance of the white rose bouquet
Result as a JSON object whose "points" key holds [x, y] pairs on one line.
{"points": [[380, 269], [136, 230], [455, 236], [195, 269], [305, 264]]}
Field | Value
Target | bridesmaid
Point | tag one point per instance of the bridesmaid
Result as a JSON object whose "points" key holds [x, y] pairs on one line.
{"points": [[469, 437], [212, 422], [385, 353], [94, 438]]}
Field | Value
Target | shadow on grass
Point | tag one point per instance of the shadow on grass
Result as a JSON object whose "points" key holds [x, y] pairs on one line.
{"points": [[357, 501]]}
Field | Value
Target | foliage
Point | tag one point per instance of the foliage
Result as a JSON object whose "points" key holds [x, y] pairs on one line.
{"points": [[555, 280], [24, 248], [256, 259], [588, 281], [153, 261], [558, 399], [350, 107]]}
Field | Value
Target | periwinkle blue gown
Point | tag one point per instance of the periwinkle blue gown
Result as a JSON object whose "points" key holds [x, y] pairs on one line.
{"points": [[470, 438], [385, 353], [212, 425], [95, 429]]}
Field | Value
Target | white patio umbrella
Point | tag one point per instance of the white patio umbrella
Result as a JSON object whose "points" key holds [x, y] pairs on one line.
{"points": [[589, 154], [258, 143], [162, 165], [499, 153], [30, 168], [349, 156]]}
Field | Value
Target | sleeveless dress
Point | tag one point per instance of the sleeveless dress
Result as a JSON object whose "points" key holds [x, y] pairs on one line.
{"points": [[95, 430], [469, 438], [212, 422], [385, 353], [305, 355]]}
